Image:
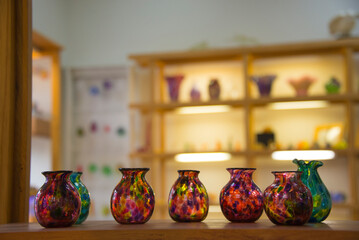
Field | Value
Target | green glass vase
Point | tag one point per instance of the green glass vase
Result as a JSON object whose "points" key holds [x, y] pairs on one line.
{"points": [[322, 203], [75, 178]]}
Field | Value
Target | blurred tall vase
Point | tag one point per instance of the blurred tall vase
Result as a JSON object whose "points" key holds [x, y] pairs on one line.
{"points": [[84, 195], [174, 84], [322, 203], [57, 203], [264, 84]]}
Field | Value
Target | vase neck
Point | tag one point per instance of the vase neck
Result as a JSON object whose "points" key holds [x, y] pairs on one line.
{"points": [[290, 176], [188, 173], [133, 173], [241, 174], [57, 175], [75, 176], [307, 165]]}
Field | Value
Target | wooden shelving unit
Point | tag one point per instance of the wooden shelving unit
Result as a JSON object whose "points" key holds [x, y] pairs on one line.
{"points": [[158, 107], [40, 127]]}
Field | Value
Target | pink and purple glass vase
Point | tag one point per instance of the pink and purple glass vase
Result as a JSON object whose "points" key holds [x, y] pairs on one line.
{"points": [[264, 84], [241, 200], [287, 201], [132, 200], [57, 203], [301, 85], [174, 83], [188, 198]]}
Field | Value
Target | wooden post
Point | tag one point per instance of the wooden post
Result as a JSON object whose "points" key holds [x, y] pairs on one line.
{"points": [[15, 105]]}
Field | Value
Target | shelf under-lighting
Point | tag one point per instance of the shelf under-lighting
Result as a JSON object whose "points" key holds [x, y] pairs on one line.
{"points": [[203, 109], [298, 105], [203, 157], [303, 155]]}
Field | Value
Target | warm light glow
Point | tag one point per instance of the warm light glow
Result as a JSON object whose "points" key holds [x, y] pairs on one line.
{"points": [[203, 157], [203, 109], [298, 105], [303, 155]]}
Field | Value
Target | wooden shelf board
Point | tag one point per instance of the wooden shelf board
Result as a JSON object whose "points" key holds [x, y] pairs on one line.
{"points": [[333, 98], [257, 50], [173, 105], [342, 205], [40, 127], [168, 229]]}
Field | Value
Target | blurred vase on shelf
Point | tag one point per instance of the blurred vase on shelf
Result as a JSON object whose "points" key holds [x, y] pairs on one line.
{"points": [[287, 201], [188, 198], [264, 83], [57, 203], [174, 84], [214, 89], [132, 200], [322, 203], [301, 85], [240, 199], [75, 178], [195, 94], [332, 86]]}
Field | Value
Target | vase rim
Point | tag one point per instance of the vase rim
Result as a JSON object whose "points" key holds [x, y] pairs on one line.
{"points": [[59, 171], [241, 168], [287, 171], [179, 171], [134, 169], [77, 172]]}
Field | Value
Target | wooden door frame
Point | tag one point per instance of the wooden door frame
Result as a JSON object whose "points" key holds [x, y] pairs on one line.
{"points": [[15, 105]]}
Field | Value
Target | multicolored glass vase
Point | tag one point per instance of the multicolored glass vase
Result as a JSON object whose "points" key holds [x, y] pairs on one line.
{"points": [[188, 198], [241, 200], [75, 178], [287, 201], [132, 200], [57, 203], [322, 203]]}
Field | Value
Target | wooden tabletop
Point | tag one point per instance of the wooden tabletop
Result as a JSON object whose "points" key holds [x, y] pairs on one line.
{"points": [[168, 229]]}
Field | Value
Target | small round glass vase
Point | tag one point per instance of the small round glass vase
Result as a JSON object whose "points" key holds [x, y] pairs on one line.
{"points": [[132, 200], [322, 203], [241, 200], [287, 201], [75, 178], [188, 198], [57, 203]]}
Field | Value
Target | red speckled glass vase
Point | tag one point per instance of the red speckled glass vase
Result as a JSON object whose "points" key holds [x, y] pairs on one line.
{"points": [[132, 200], [57, 203], [188, 198], [241, 199], [287, 200]]}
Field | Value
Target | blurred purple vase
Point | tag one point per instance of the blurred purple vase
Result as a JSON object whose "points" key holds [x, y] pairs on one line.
{"points": [[174, 83], [264, 84]]}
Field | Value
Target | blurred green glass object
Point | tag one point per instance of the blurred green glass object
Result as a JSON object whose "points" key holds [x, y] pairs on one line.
{"points": [[84, 195], [322, 203]]}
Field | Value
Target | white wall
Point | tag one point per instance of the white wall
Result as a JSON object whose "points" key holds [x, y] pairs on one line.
{"points": [[105, 32], [49, 17]]}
